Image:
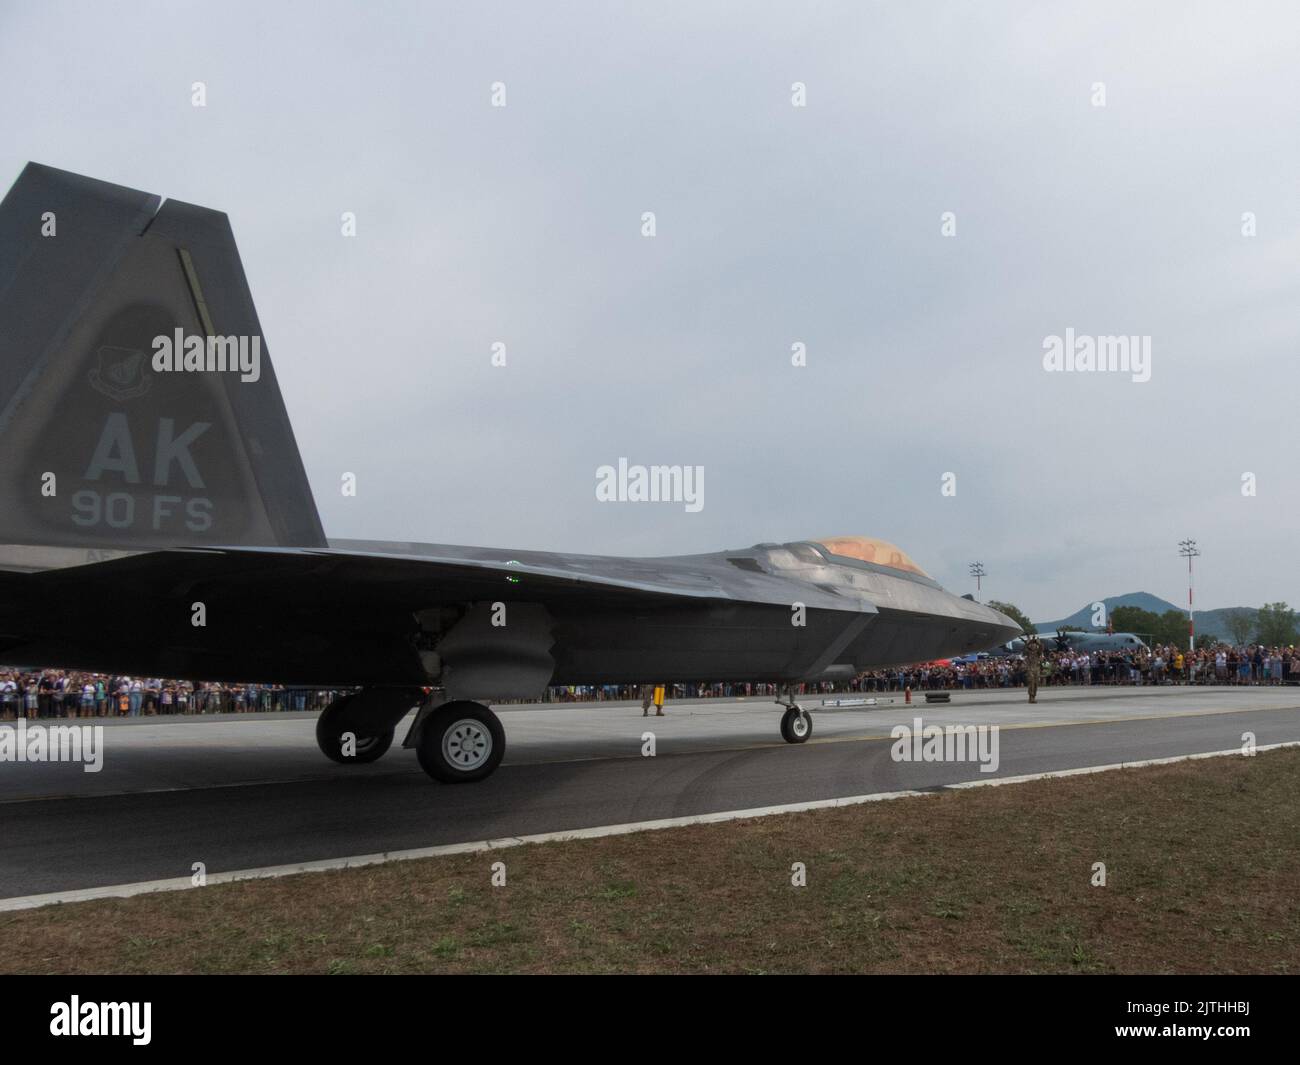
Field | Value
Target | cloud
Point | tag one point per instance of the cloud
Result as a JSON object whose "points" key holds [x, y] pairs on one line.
{"points": [[775, 224]]}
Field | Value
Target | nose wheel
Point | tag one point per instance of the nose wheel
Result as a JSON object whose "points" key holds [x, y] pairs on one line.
{"points": [[796, 722]]}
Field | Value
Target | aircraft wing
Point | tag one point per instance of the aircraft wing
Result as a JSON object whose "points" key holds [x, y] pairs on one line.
{"points": [[419, 581], [385, 617]]}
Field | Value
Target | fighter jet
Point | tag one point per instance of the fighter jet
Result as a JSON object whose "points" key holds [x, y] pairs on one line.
{"points": [[156, 519]]}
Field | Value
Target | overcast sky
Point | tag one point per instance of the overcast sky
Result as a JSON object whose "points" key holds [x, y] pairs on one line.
{"points": [[775, 224]]}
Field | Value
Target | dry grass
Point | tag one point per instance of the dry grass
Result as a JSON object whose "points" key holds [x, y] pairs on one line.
{"points": [[1203, 864]]}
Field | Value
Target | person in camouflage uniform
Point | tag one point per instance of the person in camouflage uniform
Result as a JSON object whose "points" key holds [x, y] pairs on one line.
{"points": [[652, 695], [1033, 665]]}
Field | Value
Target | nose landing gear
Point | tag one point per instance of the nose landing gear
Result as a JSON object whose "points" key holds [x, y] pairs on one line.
{"points": [[796, 722]]}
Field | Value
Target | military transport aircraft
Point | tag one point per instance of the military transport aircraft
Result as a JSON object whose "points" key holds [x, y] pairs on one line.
{"points": [[155, 519], [1075, 640]]}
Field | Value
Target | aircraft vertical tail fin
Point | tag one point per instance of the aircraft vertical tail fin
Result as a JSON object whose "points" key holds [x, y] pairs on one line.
{"points": [[138, 404]]}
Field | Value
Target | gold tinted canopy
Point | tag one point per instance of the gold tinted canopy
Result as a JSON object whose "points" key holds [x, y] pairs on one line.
{"points": [[869, 549]]}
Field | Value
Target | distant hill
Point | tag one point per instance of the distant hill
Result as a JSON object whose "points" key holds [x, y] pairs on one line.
{"points": [[1082, 618], [1209, 623], [1213, 623]]}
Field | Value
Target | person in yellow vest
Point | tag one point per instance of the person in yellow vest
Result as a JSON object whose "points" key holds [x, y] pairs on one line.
{"points": [[652, 695]]}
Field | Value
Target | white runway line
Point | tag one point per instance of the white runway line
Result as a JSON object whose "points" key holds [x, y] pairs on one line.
{"points": [[144, 887]]}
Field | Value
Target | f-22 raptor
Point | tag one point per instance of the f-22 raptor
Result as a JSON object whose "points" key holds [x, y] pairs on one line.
{"points": [[156, 519]]}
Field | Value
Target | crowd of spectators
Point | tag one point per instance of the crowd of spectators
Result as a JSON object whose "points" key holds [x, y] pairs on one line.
{"points": [[1253, 664], [58, 693], [54, 693]]}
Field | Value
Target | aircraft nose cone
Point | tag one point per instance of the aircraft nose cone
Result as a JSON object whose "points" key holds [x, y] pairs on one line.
{"points": [[985, 627], [1009, 629]]}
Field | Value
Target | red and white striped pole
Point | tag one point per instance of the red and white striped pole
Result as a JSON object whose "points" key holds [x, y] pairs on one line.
{"points": [[1188, 548]]}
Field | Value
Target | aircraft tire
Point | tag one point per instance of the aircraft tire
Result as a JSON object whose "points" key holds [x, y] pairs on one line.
{"points": [[796, 726], [331, 727], [461, 742]]}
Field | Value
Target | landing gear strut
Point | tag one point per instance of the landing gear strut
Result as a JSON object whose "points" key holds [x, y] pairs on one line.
{"points": [[796, 722]]}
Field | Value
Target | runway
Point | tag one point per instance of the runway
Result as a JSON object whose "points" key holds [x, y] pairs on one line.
{"points": [[240, 792]]}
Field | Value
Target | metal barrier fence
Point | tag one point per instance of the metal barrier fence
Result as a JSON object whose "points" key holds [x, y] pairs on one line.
{"points": [[264, 699]]}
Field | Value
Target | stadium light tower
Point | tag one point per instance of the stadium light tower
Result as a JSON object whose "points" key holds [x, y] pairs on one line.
{"points": [[977, 571], [1188, 549]]}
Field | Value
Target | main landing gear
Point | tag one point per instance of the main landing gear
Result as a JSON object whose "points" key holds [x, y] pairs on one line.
{"points": [[458, 742], [455, 742], [358, 728], [796, 722]]}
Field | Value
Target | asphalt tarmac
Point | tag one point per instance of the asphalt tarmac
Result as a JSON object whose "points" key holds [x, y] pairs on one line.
{"points": [[248, 791]]}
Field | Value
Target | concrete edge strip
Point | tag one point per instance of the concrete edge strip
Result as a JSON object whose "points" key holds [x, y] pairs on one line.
{"points": [[144, 887]]}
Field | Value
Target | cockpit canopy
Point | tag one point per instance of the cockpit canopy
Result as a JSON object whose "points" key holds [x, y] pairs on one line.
{"points": [[869, 549]]}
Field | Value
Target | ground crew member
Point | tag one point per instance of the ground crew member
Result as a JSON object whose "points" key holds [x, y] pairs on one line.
{"points": [[1033, 666], [659, 700]]}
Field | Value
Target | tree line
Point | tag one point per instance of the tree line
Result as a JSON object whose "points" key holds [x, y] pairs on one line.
{"points": [[1274, 624]]}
